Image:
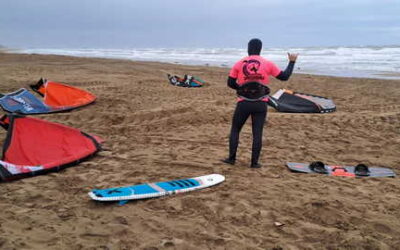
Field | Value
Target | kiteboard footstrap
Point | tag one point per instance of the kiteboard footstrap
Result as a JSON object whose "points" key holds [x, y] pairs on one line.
{"points": [[318, 167], [361, 170]]}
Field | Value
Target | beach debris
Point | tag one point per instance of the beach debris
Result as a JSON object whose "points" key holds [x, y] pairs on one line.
{"points": [[278, 224]]}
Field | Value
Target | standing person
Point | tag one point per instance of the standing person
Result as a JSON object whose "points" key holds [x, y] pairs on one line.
{"points": [[250, 77]]}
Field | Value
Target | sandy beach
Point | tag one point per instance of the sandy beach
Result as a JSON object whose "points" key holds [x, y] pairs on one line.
{"points": [[157, 132]]}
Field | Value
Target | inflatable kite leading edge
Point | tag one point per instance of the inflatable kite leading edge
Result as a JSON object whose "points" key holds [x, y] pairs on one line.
{"points": [[35, 146]]}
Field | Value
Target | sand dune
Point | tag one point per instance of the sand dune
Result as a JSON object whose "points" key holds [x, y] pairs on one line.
{"points": [[156, 132]]}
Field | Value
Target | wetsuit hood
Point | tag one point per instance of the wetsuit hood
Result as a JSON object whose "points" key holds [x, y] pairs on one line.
{"points": [[254, 47]]}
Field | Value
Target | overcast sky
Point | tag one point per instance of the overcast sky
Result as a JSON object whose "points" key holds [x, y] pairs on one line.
{"points": [[201, 23]]}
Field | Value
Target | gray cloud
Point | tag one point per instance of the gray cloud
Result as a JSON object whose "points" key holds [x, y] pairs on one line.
{"points": [[207, 23]]}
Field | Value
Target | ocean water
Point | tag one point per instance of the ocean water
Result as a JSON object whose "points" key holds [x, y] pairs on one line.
{"points": [[364, 61]]}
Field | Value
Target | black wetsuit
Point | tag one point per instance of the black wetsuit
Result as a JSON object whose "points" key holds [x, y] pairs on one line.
{"points": [[258, 112]]}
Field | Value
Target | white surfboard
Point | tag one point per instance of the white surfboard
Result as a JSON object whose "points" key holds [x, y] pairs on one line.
{"points": [[156, 189]]}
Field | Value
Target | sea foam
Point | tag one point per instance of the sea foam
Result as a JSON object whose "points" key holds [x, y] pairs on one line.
{"points": [[367, 61]]}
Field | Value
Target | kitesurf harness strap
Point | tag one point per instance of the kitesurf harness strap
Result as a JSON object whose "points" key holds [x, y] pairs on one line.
{"points": [[361, 170], [252, 91], [285, 75], [318, 167], [253, 100]]}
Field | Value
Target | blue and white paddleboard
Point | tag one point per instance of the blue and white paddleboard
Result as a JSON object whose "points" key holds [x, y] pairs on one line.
{"points": [[156, 189]]}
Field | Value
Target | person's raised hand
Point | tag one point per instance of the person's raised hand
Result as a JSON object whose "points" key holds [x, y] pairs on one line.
{"points": [[292, 56]]}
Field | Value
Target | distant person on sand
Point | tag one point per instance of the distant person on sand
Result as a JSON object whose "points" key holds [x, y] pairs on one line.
{"points": [[250, 77]]}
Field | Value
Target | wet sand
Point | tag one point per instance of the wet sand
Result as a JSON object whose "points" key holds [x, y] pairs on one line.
{"points": [[157, 132]]}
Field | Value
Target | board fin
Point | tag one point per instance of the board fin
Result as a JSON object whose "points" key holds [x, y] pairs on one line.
{"points": [[123, 202]]}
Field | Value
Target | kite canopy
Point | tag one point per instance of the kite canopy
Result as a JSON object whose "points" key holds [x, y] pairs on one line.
{"points": [[57, 97], [24, 102], [293, 102], [35, 146], [187, 81]]}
